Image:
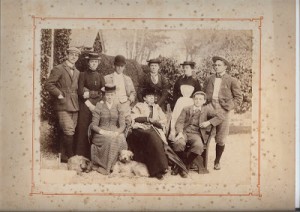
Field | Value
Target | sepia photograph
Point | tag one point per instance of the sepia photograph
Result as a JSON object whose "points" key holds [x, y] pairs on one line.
{"points": [[148, 105], [96, 90]]}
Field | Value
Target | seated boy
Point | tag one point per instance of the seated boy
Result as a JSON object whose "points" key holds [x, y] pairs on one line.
{"points": [[191, 129]]}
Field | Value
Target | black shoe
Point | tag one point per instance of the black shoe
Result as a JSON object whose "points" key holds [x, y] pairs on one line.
{"points": [[159, 176], [175, 170], [183, 174], [217, 166]]}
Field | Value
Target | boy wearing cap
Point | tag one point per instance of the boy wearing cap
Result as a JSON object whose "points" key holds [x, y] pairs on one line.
{"points": [[63, 84], [223, 92], [125, 91], [191, 127], [155, 81]]}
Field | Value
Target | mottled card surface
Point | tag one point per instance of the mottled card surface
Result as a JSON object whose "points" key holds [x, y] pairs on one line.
{"points": [[257, 38]]}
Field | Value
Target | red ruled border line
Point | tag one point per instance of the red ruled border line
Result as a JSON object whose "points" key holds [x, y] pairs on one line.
{"points": [[260, 19]]}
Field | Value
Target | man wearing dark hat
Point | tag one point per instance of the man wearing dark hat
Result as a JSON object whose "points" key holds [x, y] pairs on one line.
{"points": [[186, 82], [157, 82], [223, 92], [191, 128], [63, 84], [125, 91]]}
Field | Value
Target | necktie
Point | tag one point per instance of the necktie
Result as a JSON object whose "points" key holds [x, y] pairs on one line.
{"points": [[196, 110], [151, 111], [218, 76], [72, 71]]}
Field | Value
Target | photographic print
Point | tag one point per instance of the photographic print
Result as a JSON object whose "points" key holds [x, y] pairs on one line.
{"points": [[171, 50], [148, 105]]}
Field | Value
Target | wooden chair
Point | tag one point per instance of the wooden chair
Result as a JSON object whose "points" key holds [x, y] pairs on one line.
{"points": [[203, 158]]}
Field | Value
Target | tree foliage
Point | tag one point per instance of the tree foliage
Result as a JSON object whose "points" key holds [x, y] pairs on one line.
{"points": [[97, 44]]}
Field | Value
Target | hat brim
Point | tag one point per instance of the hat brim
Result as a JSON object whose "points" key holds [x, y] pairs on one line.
{"points": [[157, 62], [148, 92], [108, 90], [215, 58], [93, 58], [119, 64]]}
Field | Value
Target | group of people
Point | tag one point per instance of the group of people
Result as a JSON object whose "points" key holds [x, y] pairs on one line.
{"points": [[108, 115]]}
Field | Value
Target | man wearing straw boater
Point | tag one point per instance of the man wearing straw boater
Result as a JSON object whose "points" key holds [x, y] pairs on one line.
{"points": [[223, 92], [63, 85]]}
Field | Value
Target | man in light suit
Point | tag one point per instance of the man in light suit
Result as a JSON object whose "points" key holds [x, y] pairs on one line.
{"points": [[63, 84], [223, 92], [125, 91]]}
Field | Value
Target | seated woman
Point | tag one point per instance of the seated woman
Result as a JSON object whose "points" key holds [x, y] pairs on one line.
{"points": [[108, 124], [147, 137]]}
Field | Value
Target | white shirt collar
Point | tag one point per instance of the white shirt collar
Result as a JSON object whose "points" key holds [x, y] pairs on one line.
{"points": [[118, 75], [109, 105], [197, 108]]}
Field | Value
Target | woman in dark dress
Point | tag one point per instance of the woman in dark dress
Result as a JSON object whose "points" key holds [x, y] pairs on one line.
{"points": [[147, 137], [89, 91], [186, 79]]}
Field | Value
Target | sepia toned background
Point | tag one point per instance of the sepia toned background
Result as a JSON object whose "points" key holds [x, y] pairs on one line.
{"points": [[276, 118]]}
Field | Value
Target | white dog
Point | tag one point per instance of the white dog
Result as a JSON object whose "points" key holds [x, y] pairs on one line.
{"points": [[126, 167], [79, 164]]}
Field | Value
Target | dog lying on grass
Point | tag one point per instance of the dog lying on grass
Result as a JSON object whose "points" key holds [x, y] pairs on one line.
{"points": [[79, 164], [126, 167]]}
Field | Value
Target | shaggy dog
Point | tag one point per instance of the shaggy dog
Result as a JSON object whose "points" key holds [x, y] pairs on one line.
{"points": [[79, 164], [126, 167]]}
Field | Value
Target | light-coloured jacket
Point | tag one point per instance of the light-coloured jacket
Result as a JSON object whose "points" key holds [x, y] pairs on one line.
{"points": [[129, 87]]}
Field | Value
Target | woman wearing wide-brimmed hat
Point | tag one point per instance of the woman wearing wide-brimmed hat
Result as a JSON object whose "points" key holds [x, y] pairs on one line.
{"points": [[108, 125], [89, 91], [147, 137]]}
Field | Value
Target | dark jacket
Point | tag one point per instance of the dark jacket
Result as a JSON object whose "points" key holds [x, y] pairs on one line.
{"points": [[61, 82], [207, 113], [93, 82], [230, 94], [161, 88]]}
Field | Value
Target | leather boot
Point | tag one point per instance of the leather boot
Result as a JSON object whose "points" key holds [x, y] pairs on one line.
{"points": [[219, 152], [68, 145], [190, 160]]}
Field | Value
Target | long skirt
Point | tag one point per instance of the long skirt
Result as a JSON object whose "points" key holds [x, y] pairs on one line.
{"points": [[147, 148], [84, 120], [105, 150]]}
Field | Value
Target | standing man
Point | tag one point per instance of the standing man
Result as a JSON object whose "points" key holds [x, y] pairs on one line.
{"points": [[223, 92], [155, 81], [125, 91], [63, 84]]}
